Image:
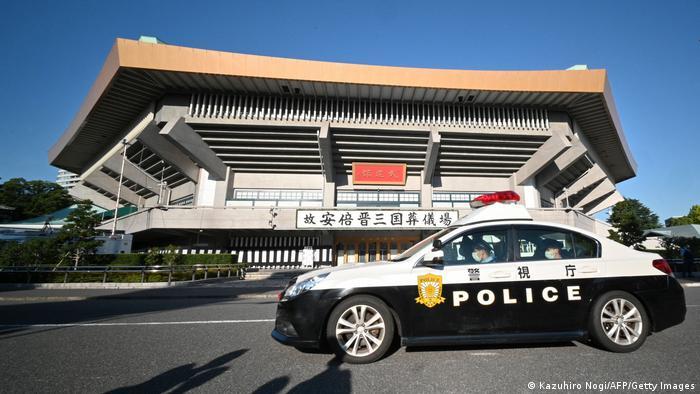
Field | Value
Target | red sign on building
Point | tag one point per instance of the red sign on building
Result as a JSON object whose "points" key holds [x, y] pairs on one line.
{"points": [[378, 174]]}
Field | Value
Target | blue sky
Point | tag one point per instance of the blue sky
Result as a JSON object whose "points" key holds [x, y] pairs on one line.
{"points": [[52, 52]]}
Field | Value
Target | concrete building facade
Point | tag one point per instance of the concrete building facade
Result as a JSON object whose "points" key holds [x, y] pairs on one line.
{"points": [[66, 179], [260, 156]]}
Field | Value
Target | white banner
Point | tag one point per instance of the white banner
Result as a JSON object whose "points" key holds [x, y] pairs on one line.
{"points": [[375, 219]]}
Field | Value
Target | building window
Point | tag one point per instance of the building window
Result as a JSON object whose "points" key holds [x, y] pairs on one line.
{"points": [[455, 199], [378, 198], [183, 201], [275, 198]]}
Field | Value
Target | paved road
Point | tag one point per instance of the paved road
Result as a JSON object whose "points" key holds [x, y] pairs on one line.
{"points": [[223, 344]]}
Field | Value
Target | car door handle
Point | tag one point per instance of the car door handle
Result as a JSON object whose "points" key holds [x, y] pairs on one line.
{"points": [[500, 274], [588, 270]]}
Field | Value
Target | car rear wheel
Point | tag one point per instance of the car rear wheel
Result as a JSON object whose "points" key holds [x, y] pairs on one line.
{"points": [[360, 329], [619, 322]]}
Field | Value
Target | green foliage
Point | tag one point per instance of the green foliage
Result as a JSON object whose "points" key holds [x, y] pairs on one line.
{"points": [[122, 259], [33, 198], [630, 218], [37, 251], [154, 257], [171, 257], [673, 246], [77, 235], [192, 259], [693, 217]]}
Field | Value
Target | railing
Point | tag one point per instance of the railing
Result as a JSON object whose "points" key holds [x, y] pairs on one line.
{"points": [[191, 272]]}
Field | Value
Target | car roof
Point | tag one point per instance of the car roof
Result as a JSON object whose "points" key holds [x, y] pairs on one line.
{"points": [[495, 212]]}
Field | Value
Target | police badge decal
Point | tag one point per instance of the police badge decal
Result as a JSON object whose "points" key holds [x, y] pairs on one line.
{"points": [[430, 290]]}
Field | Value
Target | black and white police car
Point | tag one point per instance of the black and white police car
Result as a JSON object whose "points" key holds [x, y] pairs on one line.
{"points": [[495, 276]]}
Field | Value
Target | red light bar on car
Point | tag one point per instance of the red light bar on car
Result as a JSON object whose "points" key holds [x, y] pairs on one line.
{"points": [[508, 196]]}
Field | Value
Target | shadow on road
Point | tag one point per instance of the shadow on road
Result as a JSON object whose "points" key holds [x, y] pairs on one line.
{"points": [[331, 380], [183, 378], [105, 306]]}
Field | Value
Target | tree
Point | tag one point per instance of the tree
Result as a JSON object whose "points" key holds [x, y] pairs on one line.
{"points": [[693, 217], [77, 236], [171, 257], [630, 218], [33, 198], [32, 252], [154, 257]]}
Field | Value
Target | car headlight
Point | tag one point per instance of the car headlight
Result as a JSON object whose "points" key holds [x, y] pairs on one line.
{"points": [[303, 286]]}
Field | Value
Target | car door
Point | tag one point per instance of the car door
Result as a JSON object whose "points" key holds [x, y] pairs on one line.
{"points": [[557, 267], [470, 300]]}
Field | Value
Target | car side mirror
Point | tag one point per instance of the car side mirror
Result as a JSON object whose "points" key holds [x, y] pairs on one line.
{"points": [[437, 244], [434, 258]]}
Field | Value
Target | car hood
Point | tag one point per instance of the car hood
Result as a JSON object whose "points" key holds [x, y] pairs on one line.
{"points": [[347, 267]]}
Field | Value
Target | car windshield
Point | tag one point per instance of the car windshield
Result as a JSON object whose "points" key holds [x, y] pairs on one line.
{"points": [[420, 245]]}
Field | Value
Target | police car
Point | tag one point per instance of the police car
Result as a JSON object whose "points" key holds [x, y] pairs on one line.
{"points": [[495, 276]]}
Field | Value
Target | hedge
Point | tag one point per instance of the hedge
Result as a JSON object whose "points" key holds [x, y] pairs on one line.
{"points": [[137, 259]]}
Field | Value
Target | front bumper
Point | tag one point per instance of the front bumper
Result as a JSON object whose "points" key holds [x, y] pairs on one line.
{"points": [[300, 322], [294, 341]]}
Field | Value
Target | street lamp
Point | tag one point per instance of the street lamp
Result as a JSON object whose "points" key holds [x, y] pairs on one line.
{"points": [[119, 188]]}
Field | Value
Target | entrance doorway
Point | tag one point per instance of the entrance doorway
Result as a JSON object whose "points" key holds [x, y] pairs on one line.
{"points": [[368, 248]]}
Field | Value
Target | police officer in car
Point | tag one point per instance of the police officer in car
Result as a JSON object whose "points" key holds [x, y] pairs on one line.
{"points": [[552, 249], [483, 253]]}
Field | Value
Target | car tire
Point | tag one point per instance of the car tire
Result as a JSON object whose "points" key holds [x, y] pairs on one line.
{"points": [[618, 322], [360, 329]]}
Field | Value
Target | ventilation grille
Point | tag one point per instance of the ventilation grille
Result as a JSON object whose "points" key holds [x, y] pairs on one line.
{"points": [[362, 112]]}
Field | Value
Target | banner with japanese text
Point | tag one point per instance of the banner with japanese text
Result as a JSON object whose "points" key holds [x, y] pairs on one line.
{"points": [[374, 219]]}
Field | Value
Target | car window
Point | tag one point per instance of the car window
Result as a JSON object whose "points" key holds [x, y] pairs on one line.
{"points": [[421, 245], [544, 244], [480, 247], [584, 247]]}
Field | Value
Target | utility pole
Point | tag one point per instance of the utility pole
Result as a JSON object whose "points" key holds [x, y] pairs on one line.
{"points": [[119, 188]]}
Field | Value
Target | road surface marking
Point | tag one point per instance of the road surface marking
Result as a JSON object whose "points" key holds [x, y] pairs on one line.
{"points": [[154, 323]]}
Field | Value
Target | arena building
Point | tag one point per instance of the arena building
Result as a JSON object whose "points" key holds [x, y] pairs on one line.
{"points": [[275, 159]]}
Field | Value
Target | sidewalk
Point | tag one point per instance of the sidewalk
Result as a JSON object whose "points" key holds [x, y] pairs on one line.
{"points": [[689, 282], [219, 288]]}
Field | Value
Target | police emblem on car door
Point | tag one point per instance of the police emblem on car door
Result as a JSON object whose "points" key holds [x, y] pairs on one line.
{"points": [[471, 284], [430, 290]]}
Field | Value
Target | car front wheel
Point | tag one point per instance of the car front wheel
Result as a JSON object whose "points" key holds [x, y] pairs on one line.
{"points": [[360, 329], [619, 322]]}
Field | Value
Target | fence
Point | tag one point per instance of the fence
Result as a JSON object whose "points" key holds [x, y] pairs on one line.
{"points": [[189, 272]]}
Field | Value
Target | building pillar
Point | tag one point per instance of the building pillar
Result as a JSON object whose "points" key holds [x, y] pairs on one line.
{"points": [[608, 202], [603, 189], [205, 195], [221, 192], [555, 145], [329, 194], [190, 143], [426, 194], [167, 151]]}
